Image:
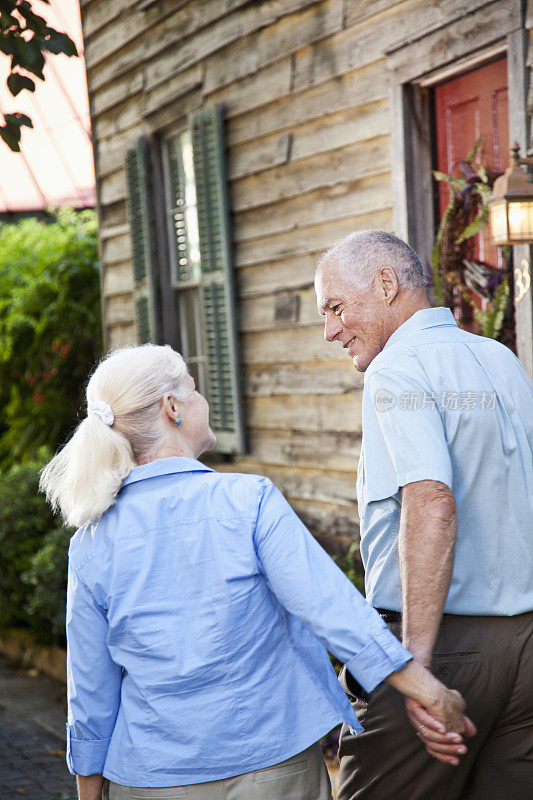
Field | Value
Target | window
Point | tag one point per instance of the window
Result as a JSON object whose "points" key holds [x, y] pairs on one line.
{"points": [[183, 278], [181, 218]]}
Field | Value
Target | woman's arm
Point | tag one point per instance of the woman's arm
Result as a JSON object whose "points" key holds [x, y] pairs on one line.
{"points": [[309, 585], [93, 680]]}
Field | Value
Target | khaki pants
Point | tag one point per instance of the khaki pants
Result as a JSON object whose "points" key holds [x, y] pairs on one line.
{"points": [[302, 777], [490, 661]]}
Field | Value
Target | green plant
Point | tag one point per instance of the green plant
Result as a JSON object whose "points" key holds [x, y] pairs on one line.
{"points": [[24, 37], [46, 581], [464, 217], [33, 543], [351, 566], [50, 329]]}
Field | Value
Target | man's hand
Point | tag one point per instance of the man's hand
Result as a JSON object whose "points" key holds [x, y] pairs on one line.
{"points": [[440, 742], [435, 712]]}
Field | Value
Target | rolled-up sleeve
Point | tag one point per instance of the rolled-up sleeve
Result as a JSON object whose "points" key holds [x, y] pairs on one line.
{"points": [[93, 680], [308, 583]]}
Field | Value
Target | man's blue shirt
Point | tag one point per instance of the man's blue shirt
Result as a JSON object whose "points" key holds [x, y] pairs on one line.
{"points": [[198, 614], [442, 404]]}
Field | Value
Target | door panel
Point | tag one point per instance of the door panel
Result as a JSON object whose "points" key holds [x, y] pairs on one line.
{"points": [[465, 107]]}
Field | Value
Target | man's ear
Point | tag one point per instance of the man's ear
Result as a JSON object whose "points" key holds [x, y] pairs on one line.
{"points": [[389, 284]]}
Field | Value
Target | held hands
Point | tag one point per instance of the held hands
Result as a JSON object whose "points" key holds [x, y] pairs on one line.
{"points": [[435, 712], [440, 723]]}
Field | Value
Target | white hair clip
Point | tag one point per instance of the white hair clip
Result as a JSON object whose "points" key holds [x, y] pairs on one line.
{"points": [[102, 410]]}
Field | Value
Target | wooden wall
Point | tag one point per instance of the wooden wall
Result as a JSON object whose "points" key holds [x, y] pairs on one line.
{"points": [[306, 91]]}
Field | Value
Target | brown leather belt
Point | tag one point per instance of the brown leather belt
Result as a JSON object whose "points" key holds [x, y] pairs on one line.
{"points": [[389, 616]]}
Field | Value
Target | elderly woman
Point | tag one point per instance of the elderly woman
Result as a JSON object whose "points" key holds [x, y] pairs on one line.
{"points": [[200, 609]]}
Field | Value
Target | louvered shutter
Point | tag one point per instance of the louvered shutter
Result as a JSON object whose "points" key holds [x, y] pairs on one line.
{"points": [[216, 282], [142, 240]]}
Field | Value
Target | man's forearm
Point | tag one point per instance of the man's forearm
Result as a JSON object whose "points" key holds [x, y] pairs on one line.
{"points": [[426, 551], [90, 787]]}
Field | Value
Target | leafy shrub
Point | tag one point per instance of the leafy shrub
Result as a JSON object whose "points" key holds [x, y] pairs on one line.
{"points": [[33, 567], [351, 565], [49, 329], [46, 581]]}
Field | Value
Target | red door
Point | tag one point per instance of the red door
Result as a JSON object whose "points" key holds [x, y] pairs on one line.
{"points": [[465, 107]]}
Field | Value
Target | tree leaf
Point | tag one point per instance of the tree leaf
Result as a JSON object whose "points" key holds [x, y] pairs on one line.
{"points": [[17, 82], [474, 227], [18, 119], [56, 42]]}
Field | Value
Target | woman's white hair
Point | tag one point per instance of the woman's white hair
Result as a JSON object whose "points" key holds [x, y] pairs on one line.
{"points": [[82, 480], [359, 256]]}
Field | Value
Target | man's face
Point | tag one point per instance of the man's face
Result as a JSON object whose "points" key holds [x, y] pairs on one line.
{"points": [[358, 319]]}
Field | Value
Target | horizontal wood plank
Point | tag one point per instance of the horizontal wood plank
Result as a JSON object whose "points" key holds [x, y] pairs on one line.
{"points": [[117, 279], [302, 484], [120, 309], [259, 313], [117, 249], [273, 42], [121, 336], [331, 450], [113, 186], [112, 95], [317, 413], [255, 91], [309, 139], [330, 169], [322, 205], [288, 273], [347, 92], [428, 51], [311, 238], [303, 378]]}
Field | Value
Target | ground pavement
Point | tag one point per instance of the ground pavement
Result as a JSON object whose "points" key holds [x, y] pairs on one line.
{"points": [[32, 737]]}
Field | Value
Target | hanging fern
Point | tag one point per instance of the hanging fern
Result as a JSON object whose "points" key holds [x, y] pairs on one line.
{"points": [[464, 217]]}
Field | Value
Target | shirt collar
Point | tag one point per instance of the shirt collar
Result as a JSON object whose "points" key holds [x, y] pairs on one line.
{"points": [[425, 318], [164, 466]]}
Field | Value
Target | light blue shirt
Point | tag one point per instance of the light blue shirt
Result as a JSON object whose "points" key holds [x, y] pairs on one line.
{"points": [[442, 404], [198, 615]]}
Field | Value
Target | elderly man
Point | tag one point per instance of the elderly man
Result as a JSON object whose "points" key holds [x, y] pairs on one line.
{"points": [[445, 489]]}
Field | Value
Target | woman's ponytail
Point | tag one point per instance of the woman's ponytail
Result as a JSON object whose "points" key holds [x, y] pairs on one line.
{"points": [[122, 427], [83, 479]]}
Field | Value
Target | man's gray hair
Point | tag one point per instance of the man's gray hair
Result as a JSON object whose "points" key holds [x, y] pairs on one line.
{"points": [[361, 254]]}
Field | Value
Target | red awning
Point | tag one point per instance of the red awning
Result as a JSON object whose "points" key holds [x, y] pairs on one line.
{"points": [[55, 165]]}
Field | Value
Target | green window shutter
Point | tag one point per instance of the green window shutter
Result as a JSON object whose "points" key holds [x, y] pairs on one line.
{"points": [[216, 281], [142, 240]]}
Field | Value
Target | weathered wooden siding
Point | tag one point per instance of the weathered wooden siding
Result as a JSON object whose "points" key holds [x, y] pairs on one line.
{"points": [[306, 91]]}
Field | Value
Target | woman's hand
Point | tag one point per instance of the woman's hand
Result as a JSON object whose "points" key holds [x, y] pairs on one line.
{"points": [[435, 712], [442, 743]]}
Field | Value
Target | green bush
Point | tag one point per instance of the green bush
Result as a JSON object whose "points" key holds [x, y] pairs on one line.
{"points": [[49, 329], [46, 581], [352, 567], [33, 568]]}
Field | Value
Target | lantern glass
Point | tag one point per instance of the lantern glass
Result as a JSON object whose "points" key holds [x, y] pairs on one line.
{"points": [[498, 222], [520, 215]]}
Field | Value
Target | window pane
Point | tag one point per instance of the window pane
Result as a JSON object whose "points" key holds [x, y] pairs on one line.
{"points": [[191, 344], [182, 216]]}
